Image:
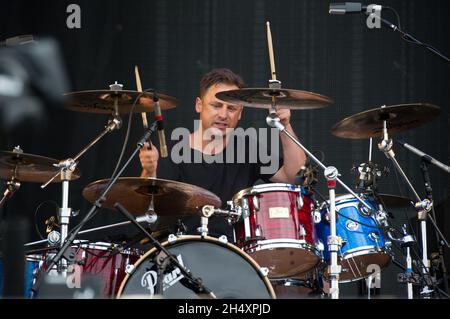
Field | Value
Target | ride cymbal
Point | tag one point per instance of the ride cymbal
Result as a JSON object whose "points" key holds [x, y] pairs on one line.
{"points": [[102, 101], [285, 98], [399, 118], [170, 198]]}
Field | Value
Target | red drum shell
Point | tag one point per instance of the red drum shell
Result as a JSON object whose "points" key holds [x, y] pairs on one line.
{"points": [[277, 229]]}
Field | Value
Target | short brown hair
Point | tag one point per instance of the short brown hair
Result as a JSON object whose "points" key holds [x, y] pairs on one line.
{"points": [[221, 75]]}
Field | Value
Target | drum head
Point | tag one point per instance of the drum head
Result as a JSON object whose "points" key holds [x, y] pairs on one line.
{"points": [[223, 268]]}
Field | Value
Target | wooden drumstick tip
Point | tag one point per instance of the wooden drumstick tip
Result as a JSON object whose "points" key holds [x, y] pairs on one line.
{"points": [[139, 89]]}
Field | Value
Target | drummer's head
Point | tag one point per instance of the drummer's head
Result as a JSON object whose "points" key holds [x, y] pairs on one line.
{"points": [[215, 113]]}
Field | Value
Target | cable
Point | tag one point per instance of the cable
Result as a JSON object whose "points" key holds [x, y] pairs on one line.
{"points": [[125, 142], [408, 38], [396, 14], [35, 216]]}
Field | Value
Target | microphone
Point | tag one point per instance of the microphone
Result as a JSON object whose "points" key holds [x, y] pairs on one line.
{"points": [[18, 40], [351, 7], [363, 178], [159, 119], [209, 210], [54, 238], [425, 157]]}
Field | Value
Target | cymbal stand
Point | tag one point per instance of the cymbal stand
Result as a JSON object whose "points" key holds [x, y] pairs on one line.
{"points": [[330, 172], [65, 243], [165, 258], [146, 218], [12, 185], [422, 206], [441, 241], [67, 167], [407, 241]]}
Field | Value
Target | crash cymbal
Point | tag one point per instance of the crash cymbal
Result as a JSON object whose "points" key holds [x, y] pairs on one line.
{"points": [[395, 201], [399, 118], [102, 101], [29, 168], [170, 198], [388, 200], [285, 98]]}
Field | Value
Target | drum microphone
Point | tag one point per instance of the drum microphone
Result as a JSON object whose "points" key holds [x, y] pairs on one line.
{"points": [[425, 157], [352, 7], [54, 238], [159, 119], [364, 175], [209, 210]]}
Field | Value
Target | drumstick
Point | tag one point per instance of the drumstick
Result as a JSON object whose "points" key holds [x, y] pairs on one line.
{"points": [[139, 89], [272, 65], [272, 60]]}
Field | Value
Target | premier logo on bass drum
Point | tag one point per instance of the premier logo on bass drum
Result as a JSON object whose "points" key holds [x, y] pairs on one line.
{"points": [[150, 278]]}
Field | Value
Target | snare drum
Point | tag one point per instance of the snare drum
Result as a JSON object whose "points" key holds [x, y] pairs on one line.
{"points": [[224, 269], [363, 246], [277, 228]]}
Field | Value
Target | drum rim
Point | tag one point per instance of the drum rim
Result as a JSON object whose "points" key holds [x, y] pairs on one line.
{"points": [[187, 238], [363, 250], [357, 254], [344, 197], [256, 246], [271, 242], [264, 188]]}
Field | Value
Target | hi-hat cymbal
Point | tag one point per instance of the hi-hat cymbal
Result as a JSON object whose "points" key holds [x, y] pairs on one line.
{"points": [[170, 198], [399, 118], [29, 168], [285, 98], [102, 101]]}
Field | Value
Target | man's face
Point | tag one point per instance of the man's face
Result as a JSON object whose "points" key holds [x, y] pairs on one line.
{"points": [[217, 114]]}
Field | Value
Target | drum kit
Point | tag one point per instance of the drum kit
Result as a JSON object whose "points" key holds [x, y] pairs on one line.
{"points": [[283, 235]]}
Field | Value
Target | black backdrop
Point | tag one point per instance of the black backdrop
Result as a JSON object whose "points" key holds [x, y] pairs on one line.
{"points": [[175, 42]]}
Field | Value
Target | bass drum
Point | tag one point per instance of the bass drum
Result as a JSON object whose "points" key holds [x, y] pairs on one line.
{"points": [[223, 268]]}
